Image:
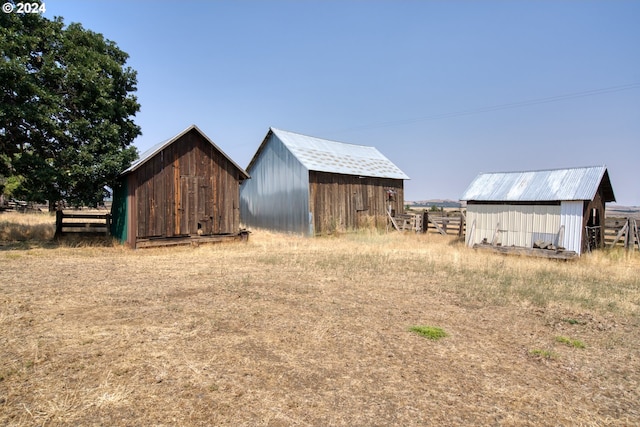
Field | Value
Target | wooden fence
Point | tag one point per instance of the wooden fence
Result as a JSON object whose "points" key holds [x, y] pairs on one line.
{"points": [[82, 222], [424, 222], [452, 224], [621, 232]]}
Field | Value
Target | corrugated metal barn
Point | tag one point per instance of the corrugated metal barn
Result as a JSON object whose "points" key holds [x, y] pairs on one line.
{"points": [[563, 206], [185, 186], [308, 185]]}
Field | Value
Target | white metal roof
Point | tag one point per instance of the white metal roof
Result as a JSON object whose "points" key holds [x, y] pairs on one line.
{"points": [[323, 155], [148, 154], [544, 185]]}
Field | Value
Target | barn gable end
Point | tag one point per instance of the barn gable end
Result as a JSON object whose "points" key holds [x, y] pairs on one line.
{"points": [[185, 186], [309, 185]]}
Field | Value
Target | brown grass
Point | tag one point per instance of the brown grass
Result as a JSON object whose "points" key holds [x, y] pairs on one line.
{"points": [[16, 227], [291, 331]]}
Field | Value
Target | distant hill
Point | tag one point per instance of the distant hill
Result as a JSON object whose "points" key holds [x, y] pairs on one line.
{"points": [[614, 210], [440, 203]]}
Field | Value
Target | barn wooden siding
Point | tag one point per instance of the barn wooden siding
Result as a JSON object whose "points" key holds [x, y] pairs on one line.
{"points": [[187, 186], [348, 202], [594, 216]]}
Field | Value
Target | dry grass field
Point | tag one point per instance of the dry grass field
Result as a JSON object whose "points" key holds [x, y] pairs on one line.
{"points": [[287, 331]]}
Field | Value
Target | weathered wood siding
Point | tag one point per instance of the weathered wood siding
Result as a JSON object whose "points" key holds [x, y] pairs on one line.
{"points": [[594, 216], [186, 187], [347, 202]]}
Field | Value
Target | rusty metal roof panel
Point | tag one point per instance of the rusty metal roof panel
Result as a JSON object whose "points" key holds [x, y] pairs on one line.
{"points": [[323, 155], [544, 185]]}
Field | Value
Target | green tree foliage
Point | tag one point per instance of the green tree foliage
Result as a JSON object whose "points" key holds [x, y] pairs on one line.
{"points": [[66, 108]]}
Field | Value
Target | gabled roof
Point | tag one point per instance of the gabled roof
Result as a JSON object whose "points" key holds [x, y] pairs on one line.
{"points": [[335, 157], [148, 154], [543, 185]]}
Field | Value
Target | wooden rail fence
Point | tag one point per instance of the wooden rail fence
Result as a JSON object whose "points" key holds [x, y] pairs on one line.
{"points": [[622, 232], [424, 222], [82, 222]]}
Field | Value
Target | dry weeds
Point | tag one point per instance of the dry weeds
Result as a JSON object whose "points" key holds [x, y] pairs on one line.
{"points": [[290, 331]]}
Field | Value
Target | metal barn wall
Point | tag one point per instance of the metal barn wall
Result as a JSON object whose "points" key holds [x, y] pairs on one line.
{"points": [[571, 221], [277, 195], [348, 202], [517, 225]]}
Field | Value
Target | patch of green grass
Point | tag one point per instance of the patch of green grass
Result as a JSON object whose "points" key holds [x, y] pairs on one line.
{"points": [[431, 332], [544, 354], [572, 321], [570, 342], [13, 255]]}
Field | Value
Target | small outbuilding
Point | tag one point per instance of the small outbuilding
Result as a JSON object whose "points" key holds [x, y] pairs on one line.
{"points": [[183, 188], [308, 185], [564, 208]]}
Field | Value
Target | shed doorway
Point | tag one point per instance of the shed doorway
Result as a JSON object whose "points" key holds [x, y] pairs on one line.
{"points": [[593, 231]]}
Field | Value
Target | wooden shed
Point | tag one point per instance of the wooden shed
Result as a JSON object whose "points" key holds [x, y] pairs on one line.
{"points": [[562, 207], [181, 189], [308, 185]]}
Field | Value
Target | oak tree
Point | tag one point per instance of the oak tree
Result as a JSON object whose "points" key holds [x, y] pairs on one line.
{"points": [[66, 110]]}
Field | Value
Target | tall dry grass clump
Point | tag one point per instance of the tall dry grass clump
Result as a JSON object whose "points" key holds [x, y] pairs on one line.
{"points": [[15, 226]]}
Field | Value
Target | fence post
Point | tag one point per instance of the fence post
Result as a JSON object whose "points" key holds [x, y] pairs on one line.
{"points": [[627, 236], [462, 221], [108, 219], [59, 216], [425, 221]]}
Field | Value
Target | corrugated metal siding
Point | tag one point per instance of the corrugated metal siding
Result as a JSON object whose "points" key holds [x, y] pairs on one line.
{"points": [[322, 155], [545, 185], [277, 195], [571, 219], [518, 225]]}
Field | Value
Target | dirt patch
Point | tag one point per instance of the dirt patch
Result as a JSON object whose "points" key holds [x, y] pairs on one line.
{"points": [[286, 331]]}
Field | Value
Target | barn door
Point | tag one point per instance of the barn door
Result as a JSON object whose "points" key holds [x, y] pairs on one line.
{"points": [[360, 198], [593, 230], [187, 194], [205, 217], [194, 218]]}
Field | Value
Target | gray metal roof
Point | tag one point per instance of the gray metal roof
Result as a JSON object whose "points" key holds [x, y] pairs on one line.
{"points": [[337, 157], [543, 185], [148, 154]]}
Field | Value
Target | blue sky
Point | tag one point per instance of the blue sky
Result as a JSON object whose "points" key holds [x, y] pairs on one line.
{"points": [[445, 89]]}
